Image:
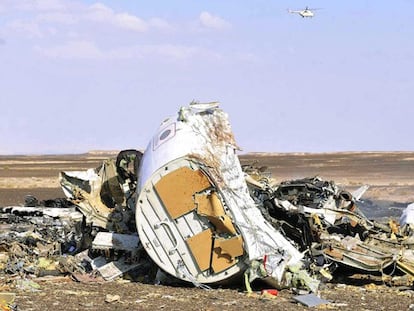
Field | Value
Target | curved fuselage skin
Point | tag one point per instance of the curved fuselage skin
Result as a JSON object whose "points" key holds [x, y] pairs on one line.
{"points": [[194, 214]]}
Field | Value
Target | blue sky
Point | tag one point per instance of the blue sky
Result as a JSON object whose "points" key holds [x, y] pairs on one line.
{"points": [[85, 75]]}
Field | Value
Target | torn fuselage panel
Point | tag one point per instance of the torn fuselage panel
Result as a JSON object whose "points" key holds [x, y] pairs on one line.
{"points": [[105, 195], [173, 231], [191, 191]]}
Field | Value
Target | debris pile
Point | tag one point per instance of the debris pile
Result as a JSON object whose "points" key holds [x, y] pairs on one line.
{"points": [[32, 237], [325, 222], [185, 210]]}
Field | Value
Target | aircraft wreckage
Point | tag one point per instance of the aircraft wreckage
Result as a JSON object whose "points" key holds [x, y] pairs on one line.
{"points": [[187, 207]]}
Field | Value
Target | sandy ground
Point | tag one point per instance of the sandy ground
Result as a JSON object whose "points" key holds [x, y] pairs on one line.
{"points": [[391, 180]]}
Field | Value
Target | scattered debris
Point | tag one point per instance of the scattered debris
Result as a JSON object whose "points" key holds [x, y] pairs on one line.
{"points": [[114, 269], [407, 220], [116, 241], [310, 300], [185, 210], [7, 301], [112, 298], [269, 292]]}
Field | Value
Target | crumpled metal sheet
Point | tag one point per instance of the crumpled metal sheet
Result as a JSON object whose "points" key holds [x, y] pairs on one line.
{"points": [[325, 221], [31, 235], [407, 220], [294, 233], [100, 196], [201, 133]]}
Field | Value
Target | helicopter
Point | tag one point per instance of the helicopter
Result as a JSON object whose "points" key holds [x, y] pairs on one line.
{"points": [[307, 12]]}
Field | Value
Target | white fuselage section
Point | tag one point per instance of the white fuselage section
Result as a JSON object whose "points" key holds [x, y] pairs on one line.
{"points": [[194, 213]]}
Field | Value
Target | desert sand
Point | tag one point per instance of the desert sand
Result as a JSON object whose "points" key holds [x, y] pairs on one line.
{"points": [[390, 176]]}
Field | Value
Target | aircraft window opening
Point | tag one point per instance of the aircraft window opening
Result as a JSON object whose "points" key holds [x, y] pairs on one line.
{"points": [[165, 134]]}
